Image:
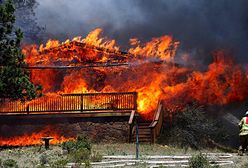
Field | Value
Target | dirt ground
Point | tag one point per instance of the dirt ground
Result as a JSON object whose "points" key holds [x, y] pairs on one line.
{"points": [[31, 156]]}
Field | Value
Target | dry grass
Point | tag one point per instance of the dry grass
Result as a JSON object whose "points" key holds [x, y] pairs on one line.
{"points": [[31, 156]]}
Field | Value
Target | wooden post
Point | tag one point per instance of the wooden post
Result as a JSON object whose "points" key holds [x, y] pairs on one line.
{"points": [[135, 100], [137, 139], [131, 124], [27, 109], [46, 140], [82, 103]]}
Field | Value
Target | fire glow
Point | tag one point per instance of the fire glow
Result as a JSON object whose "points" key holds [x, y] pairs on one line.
{"points": [[144, 59], [151, 72], [34, 138]]}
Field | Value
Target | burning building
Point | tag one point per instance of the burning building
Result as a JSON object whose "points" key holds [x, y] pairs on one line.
{"points": [[148, 69], [96, 64]]}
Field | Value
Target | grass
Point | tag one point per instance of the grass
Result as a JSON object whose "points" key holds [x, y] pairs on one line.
{"points": [[144, 149], [199, 161], [31, 156], [244, 165]]}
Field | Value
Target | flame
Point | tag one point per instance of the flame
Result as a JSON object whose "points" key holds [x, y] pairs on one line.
{"points": [[152, 72], [35, 138], [162, 48], [94, 48]]}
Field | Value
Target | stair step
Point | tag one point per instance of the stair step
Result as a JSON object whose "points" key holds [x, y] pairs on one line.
{"points": [[144, 124], [143, 130], [142, 140], [143, 127], [143, 133], [148, 135]]}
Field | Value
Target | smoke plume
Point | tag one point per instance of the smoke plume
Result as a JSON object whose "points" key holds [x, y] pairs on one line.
{"points": [[201, 26]]}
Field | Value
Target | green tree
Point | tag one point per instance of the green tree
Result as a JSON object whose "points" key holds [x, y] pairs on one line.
{"points": [[14, 80]]}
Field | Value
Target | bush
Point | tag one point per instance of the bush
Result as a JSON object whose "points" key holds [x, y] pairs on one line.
{"points": [[81, 143], [191, 127], [43, 159], [79, 150], [96, 157], [41, 166], [69, 146], [199, 161], [79, 156], [59, 163], [87, 164], [10, 163]]}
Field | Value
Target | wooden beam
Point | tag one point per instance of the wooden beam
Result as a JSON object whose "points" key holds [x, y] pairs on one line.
{"points": [[103, 65]]}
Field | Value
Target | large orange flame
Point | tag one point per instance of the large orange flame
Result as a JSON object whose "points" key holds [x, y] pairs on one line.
{"points": [[151, 72], [94, 48]]}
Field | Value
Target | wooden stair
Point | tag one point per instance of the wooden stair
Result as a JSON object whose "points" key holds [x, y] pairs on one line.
{"points": [[148, 132], [144, 132]]}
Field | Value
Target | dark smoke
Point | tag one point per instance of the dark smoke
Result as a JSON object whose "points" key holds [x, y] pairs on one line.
{"points": [[200, 25]]}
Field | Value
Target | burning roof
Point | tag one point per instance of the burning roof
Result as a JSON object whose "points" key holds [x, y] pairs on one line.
{"points": [[151, 72]]}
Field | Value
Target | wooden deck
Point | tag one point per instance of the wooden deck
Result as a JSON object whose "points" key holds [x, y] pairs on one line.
{"points": [[101, 107], [69, 114], [74, 105]]}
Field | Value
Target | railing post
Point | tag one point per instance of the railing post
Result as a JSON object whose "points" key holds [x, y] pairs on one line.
{"points": [[137, 138], [131, 124], [135, 100], [82, 103], [27, 109]]}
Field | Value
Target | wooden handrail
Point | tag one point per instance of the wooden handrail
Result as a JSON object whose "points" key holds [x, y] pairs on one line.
{"points": [[156, 116], [153, 124], [131, 124], [157, 123], [130, 121]]}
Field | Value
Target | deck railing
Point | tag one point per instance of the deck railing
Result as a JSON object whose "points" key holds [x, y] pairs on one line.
{"points": [[73, 103]]}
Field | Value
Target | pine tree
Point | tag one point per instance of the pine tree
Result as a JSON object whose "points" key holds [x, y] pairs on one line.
{"points": [[14, 80]]}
